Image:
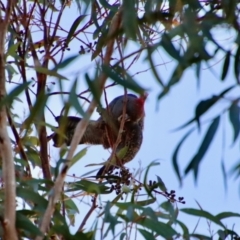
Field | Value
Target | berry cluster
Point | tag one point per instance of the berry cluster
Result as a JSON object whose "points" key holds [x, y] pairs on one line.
{"points": [[119, 179], [90, 47], [172, 197]]}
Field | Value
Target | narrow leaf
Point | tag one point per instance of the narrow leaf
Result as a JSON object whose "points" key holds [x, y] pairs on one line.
{"points": [[184, 228], [73, 28], [130, 19], [65, 62], [49, 72], [223, 215], [166, 43], [234, 117], [160, 228], [175, 154], [7, 99], [129, 84], [237, 65], [226, 65], [204, 106], [94, 88], [202, 213], [146, 234], [146, 202], [79, 156], [73, 99], [161, 184], [194, 163]]}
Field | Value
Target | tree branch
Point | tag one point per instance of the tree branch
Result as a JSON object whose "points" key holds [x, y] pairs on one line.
{"points": [[19, 143], [93, 207], [5, 144], [80, 129]]}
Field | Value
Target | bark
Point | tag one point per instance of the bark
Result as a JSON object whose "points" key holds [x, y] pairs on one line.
{"points": [[5, 144], [80, 130]]}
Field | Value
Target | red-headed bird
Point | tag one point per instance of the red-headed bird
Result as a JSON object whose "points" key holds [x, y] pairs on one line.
{"points": [[105, 130]]}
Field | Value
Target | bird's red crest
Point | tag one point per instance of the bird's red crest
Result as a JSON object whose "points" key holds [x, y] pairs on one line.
{"points": [[141, 100], [140, 104]]}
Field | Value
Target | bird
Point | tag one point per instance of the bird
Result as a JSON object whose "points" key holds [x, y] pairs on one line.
{"points": [[104, 131]]}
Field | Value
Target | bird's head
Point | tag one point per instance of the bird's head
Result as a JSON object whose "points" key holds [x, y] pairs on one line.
{"points": [[135, 107], [137, 110]]}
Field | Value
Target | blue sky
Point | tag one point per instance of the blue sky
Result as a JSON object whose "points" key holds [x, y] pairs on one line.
{"points": [[159, 140], [159, 143]]}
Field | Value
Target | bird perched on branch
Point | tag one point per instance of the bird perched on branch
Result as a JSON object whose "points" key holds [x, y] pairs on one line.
{"points": [[106, 129]]}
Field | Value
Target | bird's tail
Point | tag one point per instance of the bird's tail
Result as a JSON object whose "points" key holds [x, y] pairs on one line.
{"points": [[94, 134]]}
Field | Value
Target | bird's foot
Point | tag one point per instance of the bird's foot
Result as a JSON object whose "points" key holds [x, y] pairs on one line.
{"points": [[126, 118]]}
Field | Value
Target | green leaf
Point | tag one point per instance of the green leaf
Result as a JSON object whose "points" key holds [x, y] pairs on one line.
{"points": [[12, 50], [94, 88], [146, 202], [123, 236], [237, 65], [148, 211], [168, 207], [158, 227], [36, 111], [174, 79], [185, 230], [224, 173], [234, 117], [198, 73], [79, 156], [89, 187], [147, 235], [10, 71], [8, 99], [204, 106], [49, 72], [194, 163], [73, 99], [161, 184], [226, 65], [32, 197], [227, 215], [145, 184], [150, 51], [65, 63], [175, 153], [102, 40], [130, 19], [23, 223], [37, 184], [202, 213], [71, 206], [109, 218], [73, 28], [200, 237], [129, 83], [166, 43]]}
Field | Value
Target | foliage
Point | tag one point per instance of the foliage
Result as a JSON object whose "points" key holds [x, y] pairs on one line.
{"points": [[36, 55]]}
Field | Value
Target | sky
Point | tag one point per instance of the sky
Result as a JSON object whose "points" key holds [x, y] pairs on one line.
{"points": [[176, 108]]}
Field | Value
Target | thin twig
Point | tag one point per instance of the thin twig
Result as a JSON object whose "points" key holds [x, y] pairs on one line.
{"points": [[93, 207], [79, 131], [42, 132], [19, 143], [67, 93], [5, 144]]}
